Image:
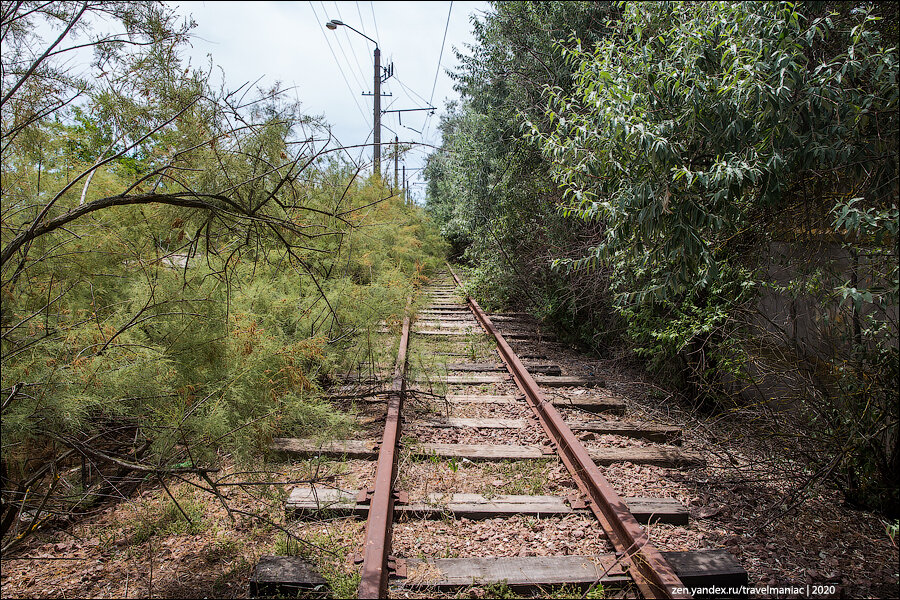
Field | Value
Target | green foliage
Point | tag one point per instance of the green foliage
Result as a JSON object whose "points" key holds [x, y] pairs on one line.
{"points": [[596, 592], [892, 529], [698, 116], [489, 188], [688, 137], [218, 359], [342, 582], [503, 590], [181, 275], [669, 333], [714, 183], [500, 590], [878, 227]]}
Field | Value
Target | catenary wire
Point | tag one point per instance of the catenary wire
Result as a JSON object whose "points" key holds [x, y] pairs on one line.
{"points": [[437, 72], [375, 22], [362, 76], [337, 62]]}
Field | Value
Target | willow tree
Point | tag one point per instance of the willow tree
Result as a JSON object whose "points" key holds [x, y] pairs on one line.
{"points": [[489, 186], [742, 162]]}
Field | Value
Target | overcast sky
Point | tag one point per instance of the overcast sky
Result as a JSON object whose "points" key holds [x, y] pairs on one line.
{"points": [[329, 70]]}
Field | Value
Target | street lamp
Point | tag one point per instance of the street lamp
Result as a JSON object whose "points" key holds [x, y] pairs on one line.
{"points": [[376, 112]]}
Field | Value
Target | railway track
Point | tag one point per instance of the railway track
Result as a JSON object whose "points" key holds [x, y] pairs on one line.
{"points": [[469, 408]]}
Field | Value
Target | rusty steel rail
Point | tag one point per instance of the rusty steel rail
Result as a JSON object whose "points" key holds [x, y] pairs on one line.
{"points": [[650, 571], [377, 548]]}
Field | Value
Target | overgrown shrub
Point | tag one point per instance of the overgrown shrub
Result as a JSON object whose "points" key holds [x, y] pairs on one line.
{"points": [[716, 184], [742, 160], [181, 273]]}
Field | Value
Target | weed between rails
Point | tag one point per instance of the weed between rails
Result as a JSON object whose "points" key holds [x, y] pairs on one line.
{"points": [[502, 590], [528, 478]]}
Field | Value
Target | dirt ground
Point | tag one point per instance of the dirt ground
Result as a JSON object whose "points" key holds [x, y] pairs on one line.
{"points": [[742, 501]]}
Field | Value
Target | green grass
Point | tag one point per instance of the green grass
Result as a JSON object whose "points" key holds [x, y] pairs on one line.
{"points": [[169, 519], [475, 346], [504, 591], [223, 549], [519, 477], [332, 567], [480, 347]]}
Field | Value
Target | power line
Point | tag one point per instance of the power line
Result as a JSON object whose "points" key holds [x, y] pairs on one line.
{"points": [[363, 147], [362, 23], [440, 56], [336, 61], [372, 6], [410, 90], [406, 93], [437, 71], [350, 45], [345, 149], [425, 127], [337, 40]]}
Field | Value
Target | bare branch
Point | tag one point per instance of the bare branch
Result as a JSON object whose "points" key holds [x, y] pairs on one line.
{"points": [[46, 53]]}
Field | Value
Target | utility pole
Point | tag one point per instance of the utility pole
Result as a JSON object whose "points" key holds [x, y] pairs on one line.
{"points": [[376, 109], [405, 195], [396, 157], [376, 132]]}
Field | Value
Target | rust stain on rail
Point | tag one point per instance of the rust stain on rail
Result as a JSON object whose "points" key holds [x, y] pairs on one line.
{"points": [[374, 575], [650, 571]]}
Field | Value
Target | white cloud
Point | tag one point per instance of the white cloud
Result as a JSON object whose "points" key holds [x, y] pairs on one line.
{"points": [[284, 41]]}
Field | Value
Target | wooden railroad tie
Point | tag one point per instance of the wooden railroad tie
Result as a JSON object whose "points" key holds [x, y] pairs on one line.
{"points": [[702, 568], [542, 368], [514, 335], [653, 433], [285, 576], [288, 575], [366, 449], [611, 405], [543, 380], [435, 328], [586, 403], [449, 319], [312, 502]]}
